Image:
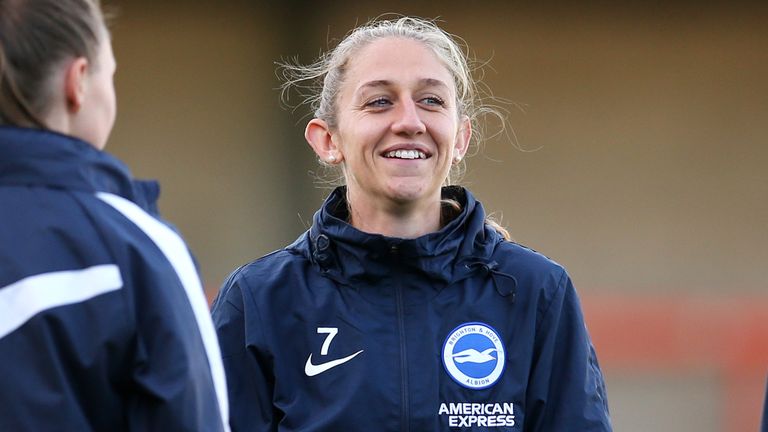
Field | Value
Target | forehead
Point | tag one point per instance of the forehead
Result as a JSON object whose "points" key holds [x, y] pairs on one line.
{"points": [[397, 60]]}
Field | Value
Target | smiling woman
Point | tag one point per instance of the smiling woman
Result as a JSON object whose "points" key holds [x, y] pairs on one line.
{"points": [[403, 299], [398, 132]]}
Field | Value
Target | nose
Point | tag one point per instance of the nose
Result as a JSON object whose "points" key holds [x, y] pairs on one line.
{"points": [[408, 121]]}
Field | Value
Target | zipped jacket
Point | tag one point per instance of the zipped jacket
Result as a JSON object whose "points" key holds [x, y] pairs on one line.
{"points": [[103, 322], [456, 330]]}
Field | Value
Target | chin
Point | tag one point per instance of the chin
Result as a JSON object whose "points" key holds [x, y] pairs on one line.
{"points": [[405, 193]]}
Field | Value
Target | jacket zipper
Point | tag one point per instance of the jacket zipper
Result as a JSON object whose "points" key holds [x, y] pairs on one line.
{"points": [[404, 411]]}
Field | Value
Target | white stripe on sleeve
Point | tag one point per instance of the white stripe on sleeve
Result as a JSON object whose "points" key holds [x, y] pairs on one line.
{"points": [[22, 300], [175, 250]]}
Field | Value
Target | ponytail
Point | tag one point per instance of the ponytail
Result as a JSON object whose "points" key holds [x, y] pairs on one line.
{"points": [[499, 229], [451, 208], [14, 109], [35, 36]]}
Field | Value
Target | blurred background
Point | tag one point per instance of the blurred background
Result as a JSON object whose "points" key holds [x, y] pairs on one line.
{"points": [[643, 170]]}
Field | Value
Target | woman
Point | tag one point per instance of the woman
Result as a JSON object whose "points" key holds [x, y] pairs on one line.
{"points": [[103, 323], [403, 308]]}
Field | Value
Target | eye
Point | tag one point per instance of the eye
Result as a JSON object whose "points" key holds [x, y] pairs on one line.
{"points": [[381, 102], [433, 101]]}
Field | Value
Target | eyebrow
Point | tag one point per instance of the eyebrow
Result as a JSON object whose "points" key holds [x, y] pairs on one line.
{"points": [[424, 82]]}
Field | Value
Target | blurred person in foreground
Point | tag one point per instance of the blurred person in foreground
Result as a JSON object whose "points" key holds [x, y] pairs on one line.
{"points": [[403, 308], [103, 322]]}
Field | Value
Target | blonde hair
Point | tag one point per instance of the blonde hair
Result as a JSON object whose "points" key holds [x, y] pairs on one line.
{"points": [[319, 83]]}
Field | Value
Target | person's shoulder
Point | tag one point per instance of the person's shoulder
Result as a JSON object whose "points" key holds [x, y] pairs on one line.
{"points": [[30, 205], [271, 264], [539, 279], [272, 267], [261, 280], [522, 258], [43, 230]]}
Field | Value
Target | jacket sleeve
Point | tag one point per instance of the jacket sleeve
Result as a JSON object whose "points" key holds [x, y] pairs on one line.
{"points": [[566, 389], [171, 376], [248, 367], [175, 380]]}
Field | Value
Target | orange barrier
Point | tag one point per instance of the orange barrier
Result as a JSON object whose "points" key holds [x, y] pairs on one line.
{"points": [[728, 336]]}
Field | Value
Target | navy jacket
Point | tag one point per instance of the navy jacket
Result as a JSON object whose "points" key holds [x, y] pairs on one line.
{"points": [[103, 322], [456, 330]]}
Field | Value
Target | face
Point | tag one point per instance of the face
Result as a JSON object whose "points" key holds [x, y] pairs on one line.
{"points": [[398, 125], [93, 122]]}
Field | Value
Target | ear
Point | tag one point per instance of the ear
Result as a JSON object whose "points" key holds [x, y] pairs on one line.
{"points": [[75, 84], [462, 137], [319, 137]]}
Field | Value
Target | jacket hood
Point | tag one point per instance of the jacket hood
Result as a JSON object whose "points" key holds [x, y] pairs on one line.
{"points": [[349, 255], [34, 157]]}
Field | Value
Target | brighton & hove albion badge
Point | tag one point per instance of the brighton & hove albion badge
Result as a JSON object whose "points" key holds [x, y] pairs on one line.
{"points": [[473, 355]]}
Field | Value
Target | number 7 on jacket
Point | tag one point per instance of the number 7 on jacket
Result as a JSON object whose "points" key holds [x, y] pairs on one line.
{"points": [[331, 332]]}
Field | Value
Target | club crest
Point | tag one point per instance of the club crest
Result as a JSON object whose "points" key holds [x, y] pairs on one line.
{"points": [[473, 355]]}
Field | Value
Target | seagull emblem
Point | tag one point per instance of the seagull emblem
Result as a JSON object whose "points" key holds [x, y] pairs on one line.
{"points": [[474, 356]]}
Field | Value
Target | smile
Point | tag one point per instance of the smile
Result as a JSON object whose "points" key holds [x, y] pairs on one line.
{"points": [[406, 154]]}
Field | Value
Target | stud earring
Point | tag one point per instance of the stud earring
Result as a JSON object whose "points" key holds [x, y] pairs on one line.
{"points": [[331, 159], [457, 159]]}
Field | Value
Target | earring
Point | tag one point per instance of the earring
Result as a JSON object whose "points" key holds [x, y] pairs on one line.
{"points": [[331, 159], [457, 159]]}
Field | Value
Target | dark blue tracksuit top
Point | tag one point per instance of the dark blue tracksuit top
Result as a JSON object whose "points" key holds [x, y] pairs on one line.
{"points": [[103, 322], [457, 330]]}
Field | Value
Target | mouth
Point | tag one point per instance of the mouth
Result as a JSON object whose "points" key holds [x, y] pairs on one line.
{"points": [[405, 154]]}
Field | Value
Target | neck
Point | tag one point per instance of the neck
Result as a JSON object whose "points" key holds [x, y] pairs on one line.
{"points": [[57, 120], [402, 220]]}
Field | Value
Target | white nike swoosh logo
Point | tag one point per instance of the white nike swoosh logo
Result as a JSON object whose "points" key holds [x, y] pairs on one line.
{"points": [[312, 370]]}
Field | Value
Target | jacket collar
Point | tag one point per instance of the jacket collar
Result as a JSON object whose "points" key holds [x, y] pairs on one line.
{"points": [[349, 255], [34, 157]]}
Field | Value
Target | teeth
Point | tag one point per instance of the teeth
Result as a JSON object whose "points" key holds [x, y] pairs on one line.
{"points": [[406, 154]]}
